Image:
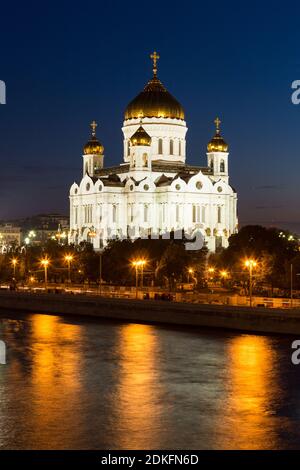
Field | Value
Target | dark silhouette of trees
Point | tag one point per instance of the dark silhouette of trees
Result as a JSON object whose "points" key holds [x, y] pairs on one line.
{"points": [[273, 249]]}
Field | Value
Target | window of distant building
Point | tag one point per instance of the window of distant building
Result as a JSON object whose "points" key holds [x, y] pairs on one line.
{"points": [[171, 147]]}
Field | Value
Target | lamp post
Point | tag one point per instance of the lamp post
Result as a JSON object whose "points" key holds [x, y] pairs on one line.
{"points": [[210, 275], [224, 274], [14, 263], [211, 270], [100, 272], [69, 259], [45, 263], [250, 264], [142, 264], [190, 271], [136, 264]]}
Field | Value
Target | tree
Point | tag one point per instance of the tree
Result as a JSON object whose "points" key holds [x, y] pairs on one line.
{"points": [[270, 247], [173, 263]]}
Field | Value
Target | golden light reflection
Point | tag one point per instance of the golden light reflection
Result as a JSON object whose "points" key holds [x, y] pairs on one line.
{"points": [[47, 357], [55, 377], [251, 394], [137, 401]]}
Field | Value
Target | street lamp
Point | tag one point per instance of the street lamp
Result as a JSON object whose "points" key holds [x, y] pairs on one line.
{"points": [[224, 274], [142, 264], [45, 263], [14, 263], [190, 272], [250, 264], [69, 259], [136, 264]]}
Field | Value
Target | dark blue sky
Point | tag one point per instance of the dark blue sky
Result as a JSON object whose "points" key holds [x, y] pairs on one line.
{"points": [[67, 63]]}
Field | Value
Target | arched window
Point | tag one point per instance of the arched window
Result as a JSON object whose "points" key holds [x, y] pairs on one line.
{"points": [[130, 212], [160, 146], [128, 148], [75, 215], [222, 166], [145, 159], [171, 147], [194, 213], [114, 213], [219, 214], [179, 148], [177, 212], [146, 210], [211, 164]]}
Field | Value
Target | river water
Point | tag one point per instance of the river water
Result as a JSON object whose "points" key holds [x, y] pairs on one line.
{"points": [[71, 384]]}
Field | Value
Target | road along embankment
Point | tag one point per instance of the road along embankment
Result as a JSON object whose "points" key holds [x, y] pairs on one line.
{"points": [[146, 311]]}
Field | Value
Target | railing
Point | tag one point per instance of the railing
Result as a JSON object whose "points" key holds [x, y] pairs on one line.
{"points": [[160, 294]]}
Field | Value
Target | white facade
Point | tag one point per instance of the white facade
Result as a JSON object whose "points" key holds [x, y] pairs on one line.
{"points": [[154, 191]]}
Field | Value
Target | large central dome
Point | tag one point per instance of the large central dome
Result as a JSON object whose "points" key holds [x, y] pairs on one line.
{"points": [[154, 101]]}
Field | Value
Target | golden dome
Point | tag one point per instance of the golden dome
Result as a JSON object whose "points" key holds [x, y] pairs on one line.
{"points": [[154, 100], [140, 137], [217, 143], [93, 146]]}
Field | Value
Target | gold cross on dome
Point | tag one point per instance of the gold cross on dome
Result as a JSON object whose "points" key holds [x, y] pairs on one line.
{"points": [[93, 126], [217, 123], [154, 56]]}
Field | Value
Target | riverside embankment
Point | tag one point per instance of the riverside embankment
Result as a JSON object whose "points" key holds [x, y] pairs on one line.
{"points": [[146, 311]]}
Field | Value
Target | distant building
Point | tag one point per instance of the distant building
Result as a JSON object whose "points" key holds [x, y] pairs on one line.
{"points": [[35, 230], [43, 227], [10, 237]]}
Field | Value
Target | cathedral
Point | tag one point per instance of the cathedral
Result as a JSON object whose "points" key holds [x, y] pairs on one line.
{"points": [[154, 191]]}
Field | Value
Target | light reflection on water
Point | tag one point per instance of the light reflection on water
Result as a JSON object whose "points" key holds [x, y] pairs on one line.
{"points": [[72, 384]]}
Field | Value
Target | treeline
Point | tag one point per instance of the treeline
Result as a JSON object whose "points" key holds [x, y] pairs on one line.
{"points": [[167, 262]]}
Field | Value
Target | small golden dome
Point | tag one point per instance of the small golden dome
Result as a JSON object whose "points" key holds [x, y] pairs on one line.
{"points": [[93, 146], [217, 143], [154, 100], [140, 137]]}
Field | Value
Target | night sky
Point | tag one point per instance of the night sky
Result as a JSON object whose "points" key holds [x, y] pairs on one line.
{"points": [[67, 63]]}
